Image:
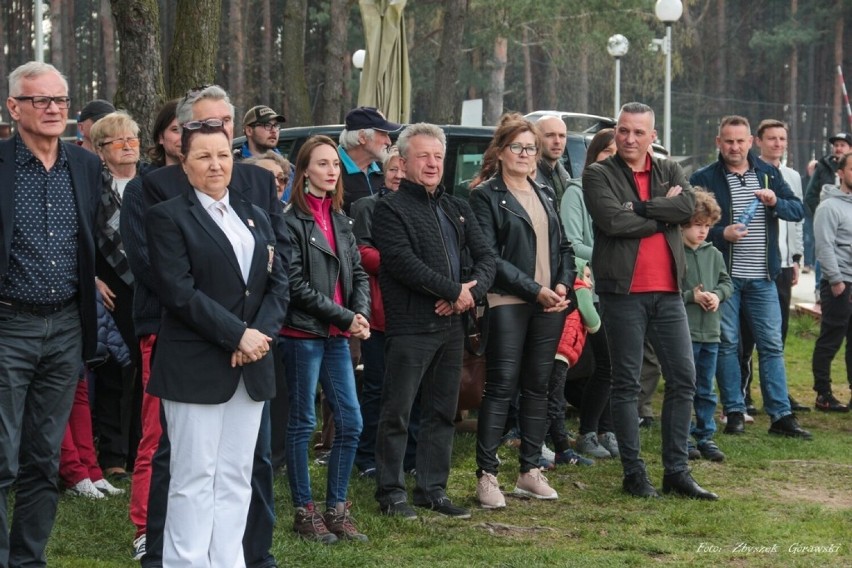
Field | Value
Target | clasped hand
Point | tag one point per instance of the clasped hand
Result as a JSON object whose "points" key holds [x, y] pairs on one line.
{"points": [[463, 303], [555, 300], [708, 301], [254, 345]]}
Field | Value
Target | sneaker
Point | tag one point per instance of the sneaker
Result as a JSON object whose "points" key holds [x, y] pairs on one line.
{"points": [[488, 492], [710, 451], [411, 471], [369, 473], [86, 489], [139, 547], [547, 453], [445, 507], [546, 464], [512, 438], [827, 403], [788, 426], [610, 442], [310, 525], [107, 488], [399, 509], [692, 452], [646, 421], [341, 524], [748, 417], [534, 484], [588, 444], [570, 457], [735, 423], [322, 457]]}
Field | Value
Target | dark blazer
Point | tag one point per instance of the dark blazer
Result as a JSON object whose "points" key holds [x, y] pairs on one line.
{"points": [[207, 305], [86, 179], [253, 183]]}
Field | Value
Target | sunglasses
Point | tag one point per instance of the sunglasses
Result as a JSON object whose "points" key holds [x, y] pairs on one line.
{"points": [[119, 143]]}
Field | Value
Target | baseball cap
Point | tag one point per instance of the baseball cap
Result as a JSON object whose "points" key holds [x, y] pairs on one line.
{"points": [[368, 117], [96, 110], [261, 114], [844, 136]]}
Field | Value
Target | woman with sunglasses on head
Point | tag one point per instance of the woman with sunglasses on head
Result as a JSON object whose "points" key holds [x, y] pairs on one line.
{"points": [[223, 290], [329, 302], [115, 138], [527, 302]]}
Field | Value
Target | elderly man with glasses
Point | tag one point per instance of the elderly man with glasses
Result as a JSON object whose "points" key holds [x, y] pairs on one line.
{"points": [[210, 105], [48, 320]]}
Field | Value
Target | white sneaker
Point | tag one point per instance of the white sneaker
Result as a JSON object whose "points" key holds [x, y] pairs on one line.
{"points": [[107, 488], [86, 489], [139, 547], [534, 484], [547, 453], [488, 492], [747, 418]]}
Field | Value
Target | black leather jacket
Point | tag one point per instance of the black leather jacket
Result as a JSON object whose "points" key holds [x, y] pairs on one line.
{"points": [[509, 232], [315, 270]]}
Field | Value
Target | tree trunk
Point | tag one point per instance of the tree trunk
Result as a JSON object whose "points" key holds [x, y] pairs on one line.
{"points": [[837, 99], [266, 49], [497, 87], [445, 108], [57, 30], [793, 158], [297, 106], [583, 86], [236, 58], [140, 87], [528, 85], [335, 57], [108, 47], [721, 59], [192, 60]]}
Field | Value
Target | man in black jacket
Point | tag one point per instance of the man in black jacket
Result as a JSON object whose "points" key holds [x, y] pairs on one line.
{"points": [[424, 237], [256, 185]]}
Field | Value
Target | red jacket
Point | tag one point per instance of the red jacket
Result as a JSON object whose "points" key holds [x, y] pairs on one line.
{"points": [[370, 260], [573, 334]]}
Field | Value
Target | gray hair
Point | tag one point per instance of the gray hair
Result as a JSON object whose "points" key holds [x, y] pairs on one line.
{"points": [[637, 108], [31, 70], [272, 156], [213, 92], [349, 138], [420, 129], [393, 152]]}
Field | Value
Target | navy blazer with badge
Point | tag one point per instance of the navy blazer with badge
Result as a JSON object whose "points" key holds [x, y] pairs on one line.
{"points": [[85, 170], [207, 305]]}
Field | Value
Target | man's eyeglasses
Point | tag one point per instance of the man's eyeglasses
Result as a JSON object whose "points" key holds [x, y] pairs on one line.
{"points": [[44, 102], [196, 124], [520, 149], [268, 126], [119, 143]]}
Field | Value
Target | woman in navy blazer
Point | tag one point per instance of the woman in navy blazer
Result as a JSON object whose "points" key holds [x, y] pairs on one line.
{"points": [[224, 293]]}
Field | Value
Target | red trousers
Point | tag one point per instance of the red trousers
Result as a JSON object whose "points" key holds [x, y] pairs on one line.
{"points": [[77, 458], [151, 431]]}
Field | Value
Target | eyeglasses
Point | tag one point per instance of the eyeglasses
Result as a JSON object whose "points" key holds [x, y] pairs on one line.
{"points": [[44, 102], [196, 124], [119, 143], [281, 179], [520, 149], [268, 126]]}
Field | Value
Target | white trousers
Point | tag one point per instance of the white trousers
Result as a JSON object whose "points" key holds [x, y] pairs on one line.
{"points": [[210, 488]]}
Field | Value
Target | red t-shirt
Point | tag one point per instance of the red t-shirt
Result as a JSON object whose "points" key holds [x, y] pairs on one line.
{"points": [[655, 268]]}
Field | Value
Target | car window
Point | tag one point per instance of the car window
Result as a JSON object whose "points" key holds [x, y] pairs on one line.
{"points": [[467, 163], [575, 150]]}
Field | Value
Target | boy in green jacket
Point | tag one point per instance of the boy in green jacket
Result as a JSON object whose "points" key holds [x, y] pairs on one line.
{"points": [[705, 286]]}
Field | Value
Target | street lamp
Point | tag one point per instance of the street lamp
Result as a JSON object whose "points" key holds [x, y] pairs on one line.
{"points": [[358, 59], [617, 47], [668, 12]]}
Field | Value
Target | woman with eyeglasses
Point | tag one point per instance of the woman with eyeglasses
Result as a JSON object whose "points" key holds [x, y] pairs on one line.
{"points": [[527, 302], [115, 138], [280, 168], [329, 303], [223, 290]]}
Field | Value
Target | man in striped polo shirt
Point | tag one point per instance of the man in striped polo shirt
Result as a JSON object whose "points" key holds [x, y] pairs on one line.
{"points": [[753, 196]]}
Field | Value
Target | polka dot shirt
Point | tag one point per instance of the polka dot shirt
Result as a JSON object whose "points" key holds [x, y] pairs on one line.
{"points": [[43, 256]]}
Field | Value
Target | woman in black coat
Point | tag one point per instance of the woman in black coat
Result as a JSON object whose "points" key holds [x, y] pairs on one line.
{"points": [[535, 268]]}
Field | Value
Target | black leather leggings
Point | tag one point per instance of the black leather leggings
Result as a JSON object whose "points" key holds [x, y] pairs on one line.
{"points": [[521, 345]]}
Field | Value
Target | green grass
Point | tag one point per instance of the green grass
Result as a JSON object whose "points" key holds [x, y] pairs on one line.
{"points": [[775, 493]]}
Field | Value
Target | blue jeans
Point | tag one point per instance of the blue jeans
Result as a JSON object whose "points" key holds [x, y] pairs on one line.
{"points": [[628, 318], [705, 355], [758, 299], [327, 362], [40, 359]]}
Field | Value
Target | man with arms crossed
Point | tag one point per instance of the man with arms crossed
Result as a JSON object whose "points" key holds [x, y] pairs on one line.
{"points": [[637, 203]]}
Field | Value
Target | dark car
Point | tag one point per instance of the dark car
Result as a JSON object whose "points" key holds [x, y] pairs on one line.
{"points": [[581, 129], [465, 147]]}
